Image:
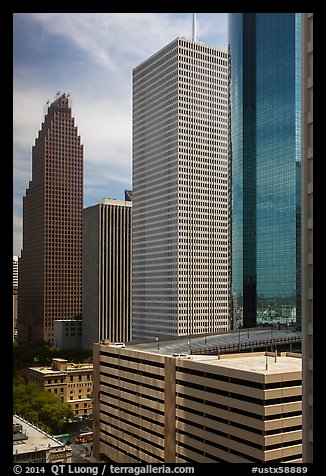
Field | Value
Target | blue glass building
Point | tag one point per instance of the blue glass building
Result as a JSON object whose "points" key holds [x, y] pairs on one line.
{"points": [[265, 107]]}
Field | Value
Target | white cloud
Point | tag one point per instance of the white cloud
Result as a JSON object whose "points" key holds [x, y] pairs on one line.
{"points": [[104, 48], [104, 37], [110, 38], [28, 113], [105, 128]]}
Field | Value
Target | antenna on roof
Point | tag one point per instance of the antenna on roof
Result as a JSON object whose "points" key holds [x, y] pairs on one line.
{"points": [[46, 107], [194, 26]]}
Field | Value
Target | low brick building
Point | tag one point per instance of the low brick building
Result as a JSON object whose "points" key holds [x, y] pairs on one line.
{"points": [[72, 382]]}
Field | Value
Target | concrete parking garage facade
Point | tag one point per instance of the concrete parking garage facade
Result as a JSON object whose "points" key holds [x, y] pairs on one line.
{"points": [[150, 407]]}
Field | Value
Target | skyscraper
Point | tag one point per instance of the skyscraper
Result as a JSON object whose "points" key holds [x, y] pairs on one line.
{"points": [[180, 192], [107, 271], [265, 105], [51, 258]]}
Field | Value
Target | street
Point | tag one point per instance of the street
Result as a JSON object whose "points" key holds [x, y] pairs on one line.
{"points": [[82, 453]]}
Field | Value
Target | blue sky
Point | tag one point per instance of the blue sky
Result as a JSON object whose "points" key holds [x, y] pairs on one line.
{"points": [[91, 56]]}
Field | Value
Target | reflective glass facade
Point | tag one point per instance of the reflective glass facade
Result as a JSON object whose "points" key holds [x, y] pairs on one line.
{"points": [[265, 106]]}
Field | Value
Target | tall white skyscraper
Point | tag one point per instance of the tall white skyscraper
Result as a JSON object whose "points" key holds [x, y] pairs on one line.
{"points": [[181, 256]]}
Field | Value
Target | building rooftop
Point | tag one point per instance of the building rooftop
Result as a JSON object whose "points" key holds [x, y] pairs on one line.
{"points": [[37, 440], [70, 368], [114, 201], [193, 348], [255, 362], [192, 344]]}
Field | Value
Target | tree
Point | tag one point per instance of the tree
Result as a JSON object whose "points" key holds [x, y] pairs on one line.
{"points": [[39, 406], [29, 355], [54, 415]]}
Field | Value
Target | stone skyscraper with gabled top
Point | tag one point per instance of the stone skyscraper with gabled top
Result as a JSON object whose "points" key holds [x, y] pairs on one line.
{"points": [[51, 259]]}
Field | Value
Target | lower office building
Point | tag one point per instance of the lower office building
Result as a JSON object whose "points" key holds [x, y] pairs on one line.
{"points": [[69, 381], [33, 445], [155, 407], [67, 333], [107, 271]]}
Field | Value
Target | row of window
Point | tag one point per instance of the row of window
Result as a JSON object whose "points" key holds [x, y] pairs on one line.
{"points": [[137, 360], [202, 49], [114, 443], [72, 378], [85, 405]]}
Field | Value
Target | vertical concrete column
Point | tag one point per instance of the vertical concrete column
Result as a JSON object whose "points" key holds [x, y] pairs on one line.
{"points": [[96, 403], [307, 237], [169, 409]]}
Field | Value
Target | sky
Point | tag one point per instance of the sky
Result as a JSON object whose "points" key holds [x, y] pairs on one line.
{"points": [[91, 57]]}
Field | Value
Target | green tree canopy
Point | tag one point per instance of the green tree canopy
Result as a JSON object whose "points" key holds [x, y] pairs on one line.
{"points": [[29, 355], [39, 406]]}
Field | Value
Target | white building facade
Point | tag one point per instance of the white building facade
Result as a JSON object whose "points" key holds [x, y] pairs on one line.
{"points": [[15, 261], [181, 253]]}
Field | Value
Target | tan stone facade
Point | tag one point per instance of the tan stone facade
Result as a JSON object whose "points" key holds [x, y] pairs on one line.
{"points": [[72, 382], [107, 272], [155, 408]]}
